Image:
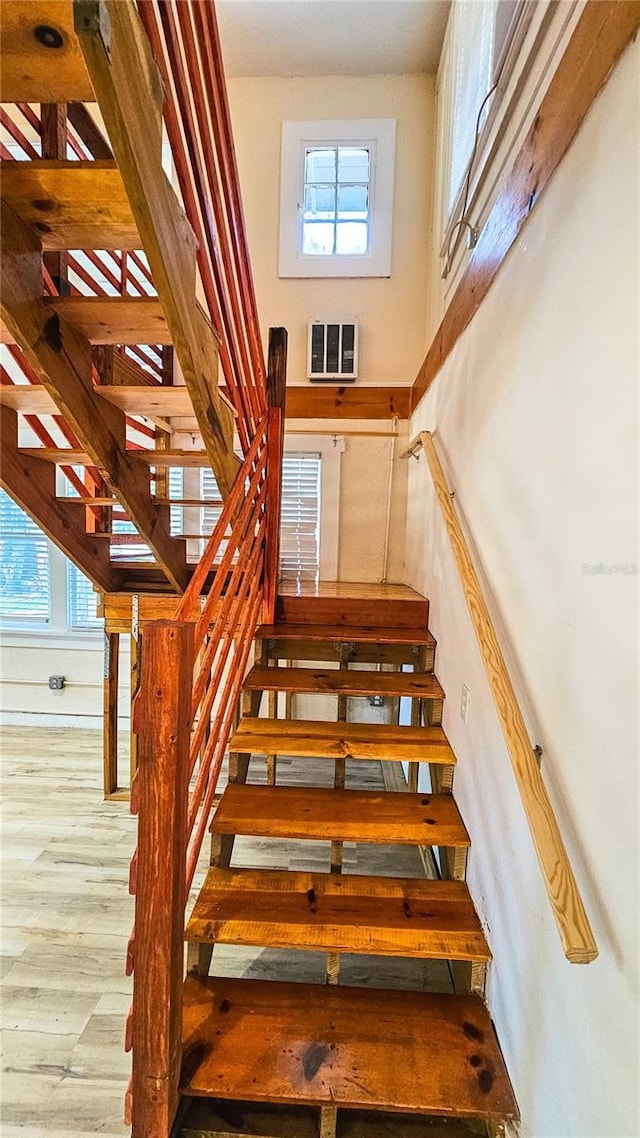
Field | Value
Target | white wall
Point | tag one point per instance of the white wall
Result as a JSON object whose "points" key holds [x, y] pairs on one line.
{"points": [[535, 421], [392, 312], [26, 662]]}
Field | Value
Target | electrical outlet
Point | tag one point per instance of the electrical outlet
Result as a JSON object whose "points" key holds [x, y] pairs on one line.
{"points": [[465, 696], [376, 701], [56, 683]]}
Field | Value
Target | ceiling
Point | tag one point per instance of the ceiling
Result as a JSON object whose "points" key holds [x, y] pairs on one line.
{"points": [[331, 37]]}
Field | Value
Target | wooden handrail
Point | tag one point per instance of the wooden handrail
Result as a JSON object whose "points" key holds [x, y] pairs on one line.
{"points": [[562, 889]]}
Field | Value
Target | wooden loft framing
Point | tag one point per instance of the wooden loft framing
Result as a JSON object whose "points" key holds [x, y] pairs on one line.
{"points": [[129, 92]]}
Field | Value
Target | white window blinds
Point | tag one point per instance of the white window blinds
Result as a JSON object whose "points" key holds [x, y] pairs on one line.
{"points": [[82, 600], [25, 589], [300, 516]]}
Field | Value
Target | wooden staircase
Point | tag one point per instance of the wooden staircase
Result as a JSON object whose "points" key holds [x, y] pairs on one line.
{"points": [[332, 1059]]}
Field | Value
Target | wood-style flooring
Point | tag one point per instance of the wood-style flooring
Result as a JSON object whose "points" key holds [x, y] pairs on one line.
{"points": [[66, 917]]}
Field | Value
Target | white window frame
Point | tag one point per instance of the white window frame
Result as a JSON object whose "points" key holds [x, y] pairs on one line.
{"points": [[330, 450], [378, 136]]}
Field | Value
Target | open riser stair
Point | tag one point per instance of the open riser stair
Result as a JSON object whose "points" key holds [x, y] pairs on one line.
{"points": [[350, 1058]]}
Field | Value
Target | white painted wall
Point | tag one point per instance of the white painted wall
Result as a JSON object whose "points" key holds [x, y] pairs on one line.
{"points": [[535, 421], [392, 312]]}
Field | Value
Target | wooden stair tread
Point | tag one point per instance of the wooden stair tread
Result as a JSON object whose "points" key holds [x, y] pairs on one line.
{"points": [[344, 681], [265, 1041], [338, 913], [313, 739], [339, 815], [31, 71], [344, 633], [71, 205]]}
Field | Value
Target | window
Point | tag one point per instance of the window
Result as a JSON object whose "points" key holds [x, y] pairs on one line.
{"points": [[82, 600], [337, 198], [300, 516], [25, 594], [40, 588]]}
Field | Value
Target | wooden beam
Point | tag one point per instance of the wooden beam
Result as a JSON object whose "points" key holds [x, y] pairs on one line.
{"points": [[134, 126], [562, 889], [276, 390], [61, 358], [115, 319], [53, 137], [41, 58], [71, 205], [192, 459], [110, 714], [602, 33], [352, 402], [32, 484], [87, 129], [162, 720]]}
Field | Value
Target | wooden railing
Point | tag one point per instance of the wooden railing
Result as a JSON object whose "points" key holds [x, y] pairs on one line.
{"points": [[191, 676], [193, 667], [562, 889]]}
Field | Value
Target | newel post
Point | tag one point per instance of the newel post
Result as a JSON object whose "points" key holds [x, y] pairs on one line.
{"points": [[162, 718], [276, 392]]}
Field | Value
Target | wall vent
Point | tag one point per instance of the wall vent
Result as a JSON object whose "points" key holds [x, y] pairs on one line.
{"points": [[333, 349]]}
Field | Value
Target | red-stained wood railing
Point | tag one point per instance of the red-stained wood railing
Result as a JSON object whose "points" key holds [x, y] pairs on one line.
{"points": [[191, 676]]}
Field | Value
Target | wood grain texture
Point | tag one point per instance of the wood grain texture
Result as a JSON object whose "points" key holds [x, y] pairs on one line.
{"points": [[32, 484], [115, 320], [345, 682], [338, 913], [276, 388], [162, 717], [562, 889], [341, 633], [342, 740], [601, 35], [344, 1046], [356, 402], [129, 92], [110, 713], [31, 71], [61, 358], [370, 611], [71, 204], [339, 815]]}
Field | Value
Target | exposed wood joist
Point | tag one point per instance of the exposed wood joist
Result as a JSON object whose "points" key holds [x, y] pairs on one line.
{"points": [[61, 358], [41, 66], [66, 456], [129, 91], [349, 402], [601, 35], [115, 320], [71, 205], [32, 484]]}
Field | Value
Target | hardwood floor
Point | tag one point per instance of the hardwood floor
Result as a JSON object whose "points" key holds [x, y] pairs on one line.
{"points": [[67, 914]]}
